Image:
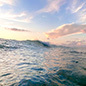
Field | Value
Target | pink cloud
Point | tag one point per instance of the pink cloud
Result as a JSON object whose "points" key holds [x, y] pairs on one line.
{"points": [[84, 31], [66, 29], [75, 43], [52, 6]]}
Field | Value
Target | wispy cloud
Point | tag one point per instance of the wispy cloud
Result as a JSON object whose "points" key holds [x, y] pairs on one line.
{"points": [[18, 30], [78, 7], [82, 15], [52, 6], [10, 14], [10, 18], [19, 17], [66, 29], [9, 2]]}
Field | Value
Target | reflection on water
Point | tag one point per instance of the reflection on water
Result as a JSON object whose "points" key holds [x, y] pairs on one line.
{"points": [[34, 65]]}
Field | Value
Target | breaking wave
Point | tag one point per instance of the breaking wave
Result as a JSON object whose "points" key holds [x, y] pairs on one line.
{"points": [[38, 42]]}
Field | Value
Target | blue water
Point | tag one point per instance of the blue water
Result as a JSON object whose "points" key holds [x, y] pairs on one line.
{"points": [[34, 63]]}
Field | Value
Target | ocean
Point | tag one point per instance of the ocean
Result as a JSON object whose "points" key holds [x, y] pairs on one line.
{"points": [[35, 63]]}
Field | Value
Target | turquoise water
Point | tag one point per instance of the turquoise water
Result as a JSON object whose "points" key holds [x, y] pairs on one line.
{"points": [[31, 63]]}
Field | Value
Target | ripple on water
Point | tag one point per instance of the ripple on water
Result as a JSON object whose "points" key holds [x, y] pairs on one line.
{"points": [[31, 65]]}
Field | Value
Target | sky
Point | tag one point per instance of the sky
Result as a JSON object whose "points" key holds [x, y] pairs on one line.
{"points": [[61, 22]]}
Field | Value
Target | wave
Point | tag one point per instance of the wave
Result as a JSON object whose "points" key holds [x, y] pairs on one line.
{"points": [[18, 44], [44, 44], [38, 42], [14, 44], [4, 46]]}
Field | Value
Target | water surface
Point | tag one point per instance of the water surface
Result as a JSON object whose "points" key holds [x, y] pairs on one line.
{"points": [[31, 63]]}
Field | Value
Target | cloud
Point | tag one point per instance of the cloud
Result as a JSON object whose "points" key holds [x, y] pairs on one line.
{"points": [[66, 29], [75, 43], [52, 6], [9, 2], [84, 31], [18, 30], [78, 7], [10, 18], [10, 15], [82, 16], [19, 17]]}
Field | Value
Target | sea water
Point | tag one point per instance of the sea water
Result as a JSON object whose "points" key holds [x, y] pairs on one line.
{"points": [[31, 63]]}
